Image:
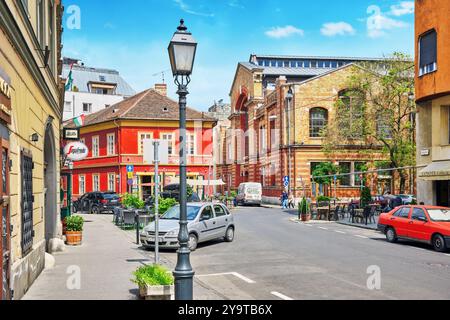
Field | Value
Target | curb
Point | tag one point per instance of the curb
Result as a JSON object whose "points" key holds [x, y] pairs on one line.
{"points": [[358, 226]]}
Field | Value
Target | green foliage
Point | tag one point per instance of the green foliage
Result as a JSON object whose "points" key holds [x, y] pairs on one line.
{"points": [[130, 201], [366, 197], [152, 275], [74, 223], [233, 194], [166, 204], [303, 207], [324, 169], [323, 199]]}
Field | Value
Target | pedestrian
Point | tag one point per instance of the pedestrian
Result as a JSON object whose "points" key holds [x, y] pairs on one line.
{"points": [[284, 200], [291, 201]]}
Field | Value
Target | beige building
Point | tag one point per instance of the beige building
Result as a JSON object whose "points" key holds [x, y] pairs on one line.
{"points": [[30, 117]]}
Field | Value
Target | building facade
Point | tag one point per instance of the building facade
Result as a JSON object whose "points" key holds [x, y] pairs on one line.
{"points": [[92, 89], [269, 140], [30, 123], [115, 137], [433, 100]]}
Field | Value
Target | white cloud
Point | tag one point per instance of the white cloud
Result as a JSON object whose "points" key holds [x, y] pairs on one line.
{"points": [[284, 32], [403, 8], [332, 29], [235, 4], [186, 8], [378, 23]]}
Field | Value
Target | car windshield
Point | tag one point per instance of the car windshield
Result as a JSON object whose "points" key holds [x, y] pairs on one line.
{"points": [[174, 213], [109, 196], [439, 215]]}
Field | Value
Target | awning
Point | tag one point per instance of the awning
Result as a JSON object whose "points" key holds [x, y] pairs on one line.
{"points": [[437, 171], [199, 183]]}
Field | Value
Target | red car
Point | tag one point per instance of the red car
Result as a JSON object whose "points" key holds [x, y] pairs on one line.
{"points": [[418, 223]]}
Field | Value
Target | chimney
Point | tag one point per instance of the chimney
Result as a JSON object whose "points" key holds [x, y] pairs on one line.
{"points": [[161, 89]]}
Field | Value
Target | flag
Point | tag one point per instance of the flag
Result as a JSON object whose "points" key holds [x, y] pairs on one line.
{"points": [[79, 121], [69, 81]]}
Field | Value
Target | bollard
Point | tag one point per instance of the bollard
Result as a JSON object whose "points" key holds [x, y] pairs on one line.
{"points": [[138, 227]]}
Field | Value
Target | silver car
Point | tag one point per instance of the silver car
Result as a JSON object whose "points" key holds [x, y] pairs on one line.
{"points": [[206, 221]]}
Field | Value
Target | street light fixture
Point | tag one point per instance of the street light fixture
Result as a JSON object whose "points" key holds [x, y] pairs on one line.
{"points": [[182, 51], [289, 98]]}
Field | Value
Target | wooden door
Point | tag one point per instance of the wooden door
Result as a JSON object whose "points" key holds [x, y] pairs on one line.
{"points": [[5, 230]]}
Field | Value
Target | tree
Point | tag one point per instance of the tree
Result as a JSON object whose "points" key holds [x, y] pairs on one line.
{"points": [[376, 113]]}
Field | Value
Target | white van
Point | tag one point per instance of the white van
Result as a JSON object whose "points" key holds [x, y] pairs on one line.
{"points": [[249, 193]]}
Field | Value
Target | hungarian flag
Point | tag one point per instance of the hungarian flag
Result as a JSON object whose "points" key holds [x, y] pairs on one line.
{"points": [[69, 81], [79, 121]]}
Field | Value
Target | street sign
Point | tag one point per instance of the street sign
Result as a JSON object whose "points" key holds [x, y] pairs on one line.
{"points": [[149, 151], [286, 181], [130, 168], [130, 175]]}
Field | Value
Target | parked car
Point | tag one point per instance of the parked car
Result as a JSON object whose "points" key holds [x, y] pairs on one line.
{"points": [[407, 199], [97, 202], [173, 191], [249, 193], [418, 223], [207, 221], [383, 201]]}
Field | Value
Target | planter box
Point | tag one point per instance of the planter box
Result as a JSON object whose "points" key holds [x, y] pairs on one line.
{"points": [[161, 293], [74, 238]]}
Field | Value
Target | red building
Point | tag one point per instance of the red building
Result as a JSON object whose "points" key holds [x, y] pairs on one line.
{"points": [[115, 138]]}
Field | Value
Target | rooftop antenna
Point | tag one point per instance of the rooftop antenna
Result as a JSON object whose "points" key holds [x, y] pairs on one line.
{"points": [[163, 75]]}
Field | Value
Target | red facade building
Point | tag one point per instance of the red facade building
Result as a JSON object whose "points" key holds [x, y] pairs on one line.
{"points": [[115, 138]]}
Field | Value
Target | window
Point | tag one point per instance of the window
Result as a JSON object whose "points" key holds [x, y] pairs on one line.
{"points": [[280, 64], [334, 64], [169, 138], [321, 64], [95, 147], [313, 64], [40, 22], [51, 35], [384, 129], [273, 63], [266, 63], [87, 107], [428, 53], [419, 215], [262, 140], [307, 64], [351, 121], [67, 106], [191, 148], [81, 185], [318, 122], [230, 152], [27, 202], [111, 138], [286, 64], [96, 183], [220, 211], [327, 64], [112, 182], [293, 64], [102, 78], [142, 137], [345, 168], [402, 213]]}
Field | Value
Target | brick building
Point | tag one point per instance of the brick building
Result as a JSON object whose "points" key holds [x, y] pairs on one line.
{"points": [[115, 138], [263, 133]]}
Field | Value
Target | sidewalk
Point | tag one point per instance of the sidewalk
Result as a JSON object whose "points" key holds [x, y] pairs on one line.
{"points": [[106, 261]]}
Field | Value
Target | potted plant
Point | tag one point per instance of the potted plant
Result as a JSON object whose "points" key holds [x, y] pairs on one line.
{"points": [[74, 230], [304, 211], [155, 282], [366, 197]]}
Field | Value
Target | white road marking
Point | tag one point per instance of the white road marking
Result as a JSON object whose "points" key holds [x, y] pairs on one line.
{"points": [[448, 254], [309, 225], [362, 237], [235, 274], [323, 228], [281, 296], [341, 232]]}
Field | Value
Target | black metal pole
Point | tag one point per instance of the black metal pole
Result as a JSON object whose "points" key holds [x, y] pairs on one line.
{"points": [[183, 273], [138, 227]]}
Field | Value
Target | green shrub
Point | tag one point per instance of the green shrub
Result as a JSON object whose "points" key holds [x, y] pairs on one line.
{"points": [[74, 224], [166, 204], [303, 207], [366, 197], [130, 201], [323, 199], [152, 275]]}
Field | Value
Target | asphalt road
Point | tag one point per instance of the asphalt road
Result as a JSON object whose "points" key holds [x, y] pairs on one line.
{"points": [[275, 258]]}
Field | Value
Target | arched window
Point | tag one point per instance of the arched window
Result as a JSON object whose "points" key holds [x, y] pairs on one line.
{"points": [[318, 119]]}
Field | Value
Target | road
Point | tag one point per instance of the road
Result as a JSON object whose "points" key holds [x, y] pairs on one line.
{"points": [[276, 258]]}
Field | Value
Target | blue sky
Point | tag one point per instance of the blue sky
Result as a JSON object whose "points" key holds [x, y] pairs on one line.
{"points": [[132, 36]]}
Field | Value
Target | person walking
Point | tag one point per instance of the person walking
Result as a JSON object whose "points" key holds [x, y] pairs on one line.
{"points": [[291, 201], [284, 200]]}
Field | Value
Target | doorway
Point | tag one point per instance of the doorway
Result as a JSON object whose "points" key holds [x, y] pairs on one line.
{"points": [[5, 230], [50, 188], [443, 193]]}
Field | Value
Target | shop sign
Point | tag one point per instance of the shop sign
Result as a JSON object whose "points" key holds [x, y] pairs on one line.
{"points": [[5, 97], [71, 134], [76, 151]]}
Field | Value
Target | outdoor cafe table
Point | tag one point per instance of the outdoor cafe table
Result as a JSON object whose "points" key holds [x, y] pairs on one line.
{"points": [[321, 211]]}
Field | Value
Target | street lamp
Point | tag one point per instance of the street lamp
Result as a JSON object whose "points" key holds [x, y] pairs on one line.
{"points": [[182, 51], [289, 98]]}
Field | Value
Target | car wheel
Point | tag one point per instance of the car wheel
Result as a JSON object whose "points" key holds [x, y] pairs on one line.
{"points": [[193, 242], [229, 235], [391, 235], [95, 210], [439, 243]]}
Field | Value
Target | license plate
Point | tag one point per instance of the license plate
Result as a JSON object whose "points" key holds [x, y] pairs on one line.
{"points": [[152, 239]]}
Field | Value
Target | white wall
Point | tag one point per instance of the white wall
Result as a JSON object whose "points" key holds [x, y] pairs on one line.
{"points": [[99, 102]]}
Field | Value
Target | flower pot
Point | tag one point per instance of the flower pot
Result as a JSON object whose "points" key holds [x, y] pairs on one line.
{"points": [[161, 293], [306, 217], [74, 238]]}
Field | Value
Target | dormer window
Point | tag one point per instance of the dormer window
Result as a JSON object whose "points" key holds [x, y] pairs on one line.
{"points": [[428, 53]]}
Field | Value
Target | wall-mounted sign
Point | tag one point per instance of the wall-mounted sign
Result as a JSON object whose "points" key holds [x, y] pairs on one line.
{"points": [[76, 151], [71, 134], [425, 152], [5, 97]]}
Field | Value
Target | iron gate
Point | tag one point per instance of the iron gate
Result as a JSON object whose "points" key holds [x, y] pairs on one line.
{"points": [[27, 202]]}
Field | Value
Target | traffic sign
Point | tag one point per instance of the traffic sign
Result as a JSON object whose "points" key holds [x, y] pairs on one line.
{"points": [[286, 181], [130, 175], [130, 168]]}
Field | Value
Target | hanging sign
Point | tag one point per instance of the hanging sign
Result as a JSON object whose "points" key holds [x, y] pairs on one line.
{"points": [[71, 134], [76, 151], [5, 97]]}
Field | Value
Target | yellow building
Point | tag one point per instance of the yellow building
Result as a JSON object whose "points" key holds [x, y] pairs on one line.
{"points": [[30, 120]]}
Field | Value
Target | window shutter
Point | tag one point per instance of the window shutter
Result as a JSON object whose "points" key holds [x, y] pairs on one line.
{"points": [[428, 49]]}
